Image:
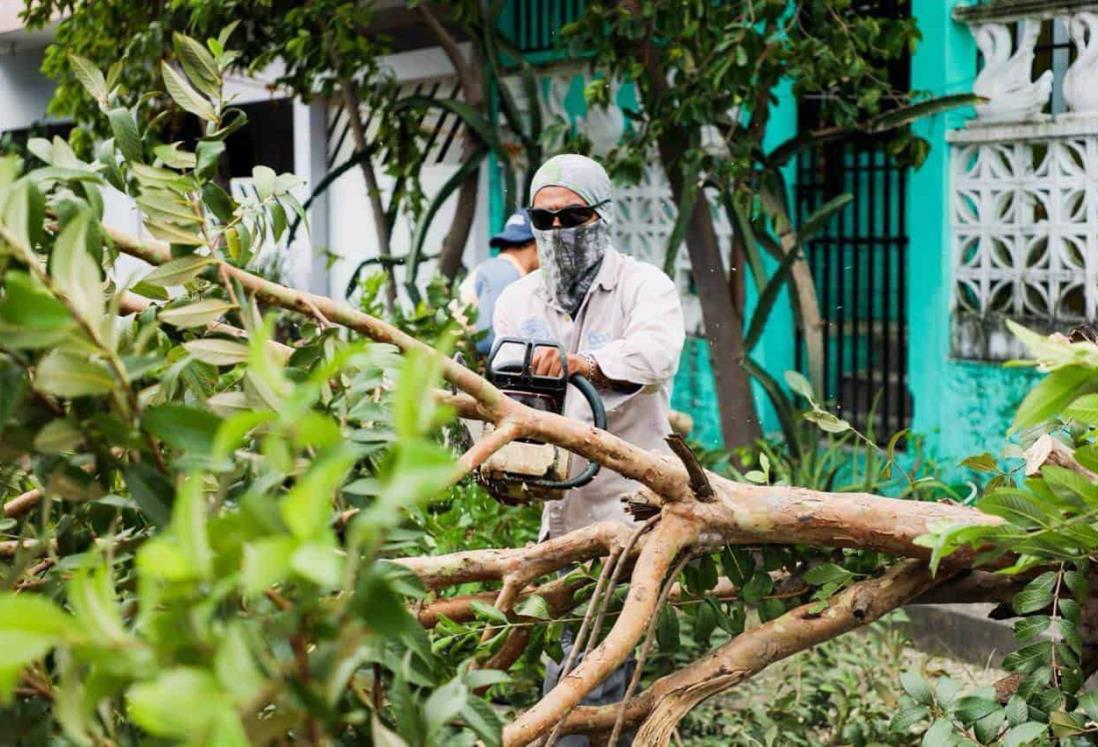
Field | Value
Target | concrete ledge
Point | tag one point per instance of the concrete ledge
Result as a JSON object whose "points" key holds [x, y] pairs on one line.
{"points": [[960, 631]]}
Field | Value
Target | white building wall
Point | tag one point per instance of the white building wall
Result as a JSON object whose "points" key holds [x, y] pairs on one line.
{"points": [[24, 91]]}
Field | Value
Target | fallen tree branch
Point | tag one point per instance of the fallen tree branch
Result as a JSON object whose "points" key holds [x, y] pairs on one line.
{"points": [[663, 704]]}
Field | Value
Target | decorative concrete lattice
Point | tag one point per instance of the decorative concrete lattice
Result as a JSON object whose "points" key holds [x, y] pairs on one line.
{"points": [[1024, 202]]}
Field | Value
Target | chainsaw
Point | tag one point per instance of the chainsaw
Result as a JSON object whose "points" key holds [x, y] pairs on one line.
{"points": [[529, 469]]}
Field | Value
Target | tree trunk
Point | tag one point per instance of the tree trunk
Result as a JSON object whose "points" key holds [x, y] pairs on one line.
{"points": [[468, 73], [353, 108], [723, 322], [453, 246]]}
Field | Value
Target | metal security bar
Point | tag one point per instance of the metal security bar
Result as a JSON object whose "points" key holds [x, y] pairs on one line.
{"points": [[859, 264], [536, 23]]}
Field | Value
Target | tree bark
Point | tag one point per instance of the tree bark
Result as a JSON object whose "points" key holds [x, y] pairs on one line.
{"points": [[723, 323], [469, 75]]}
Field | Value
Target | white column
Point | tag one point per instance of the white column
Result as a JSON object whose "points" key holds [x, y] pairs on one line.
{"points": [[307, 255]]}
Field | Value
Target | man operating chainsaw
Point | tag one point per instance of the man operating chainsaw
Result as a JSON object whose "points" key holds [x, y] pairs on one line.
{"points": [[619, 321]]}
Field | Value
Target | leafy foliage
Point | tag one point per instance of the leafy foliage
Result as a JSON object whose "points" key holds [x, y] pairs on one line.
{"points": [[209, 562]]}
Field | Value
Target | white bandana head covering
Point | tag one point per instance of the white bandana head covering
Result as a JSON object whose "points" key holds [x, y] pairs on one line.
{"points": [[570, 257]]}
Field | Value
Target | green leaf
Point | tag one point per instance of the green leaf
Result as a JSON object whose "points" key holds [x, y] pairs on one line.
{"points": [[12, 390], [58, 436], [178, 271], [30, 625], [981, 463], [126, 136], [189, 429], [184, 95], [827, 573], [198, 64], [1017, 710], [534, 606], [903, 721], [683, 214], [972, 708], [197, 314], [188, 526], [266, 563], [987, 728], [90, 77], [757, 587], [1030, 627], [796, 381], [320, 563], [1088, 456], [767, 299], [27, 307], [95, 607], [382, 736], [1066, 724], [1084, 409], [917, 687], [826, 421], [35, 614], [217, 351], [24, 213], [667, 630], [70, 375], [819, 219], [1052, 395], [483, 719], [705, 622], [1037, 594], [1029, 658], [208, 155], [1015, 507], [307, 508], [172, 234], [152, 492], [938, 734], [182, 702], [489, 612], [218, 201], [173, 157], [75, 273], [1024, 734], [945, 691], [264, 179], [444, 706], [235, 666]]}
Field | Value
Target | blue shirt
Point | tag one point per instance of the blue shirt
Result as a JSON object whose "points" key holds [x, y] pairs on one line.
{"points": [[489, 278]]}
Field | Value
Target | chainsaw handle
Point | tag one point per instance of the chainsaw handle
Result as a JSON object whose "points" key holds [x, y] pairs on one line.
{"points": [[598, 415]]}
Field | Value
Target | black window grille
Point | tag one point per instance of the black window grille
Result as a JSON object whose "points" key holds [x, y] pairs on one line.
{"points": [[859, 264], [536, 24]]}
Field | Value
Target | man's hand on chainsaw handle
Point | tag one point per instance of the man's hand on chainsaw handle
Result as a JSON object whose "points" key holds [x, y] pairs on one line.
{"points": [[547, 362]]}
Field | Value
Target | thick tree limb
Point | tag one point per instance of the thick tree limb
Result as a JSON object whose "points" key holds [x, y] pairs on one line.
{"points": [[659, 552], [19, 505], [663, 704], [532, 562]]}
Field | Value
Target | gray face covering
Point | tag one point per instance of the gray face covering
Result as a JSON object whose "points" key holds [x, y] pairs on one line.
{"points": [[570, 257], [570, 260]]}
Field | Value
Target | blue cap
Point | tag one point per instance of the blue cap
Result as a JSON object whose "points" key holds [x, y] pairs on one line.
{"points": [[517, 231]]}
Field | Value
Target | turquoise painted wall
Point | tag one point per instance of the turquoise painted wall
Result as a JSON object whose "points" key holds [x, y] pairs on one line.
{"points": [[961, 407]]}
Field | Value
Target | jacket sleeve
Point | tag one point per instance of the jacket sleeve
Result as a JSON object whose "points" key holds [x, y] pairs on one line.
{"points": [[647, 354]]}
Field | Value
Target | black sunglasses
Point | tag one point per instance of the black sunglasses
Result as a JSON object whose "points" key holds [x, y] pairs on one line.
{"points": [[570, 217]]}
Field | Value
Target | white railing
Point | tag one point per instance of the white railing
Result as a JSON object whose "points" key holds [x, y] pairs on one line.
{"points": [[1024, 201]]}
